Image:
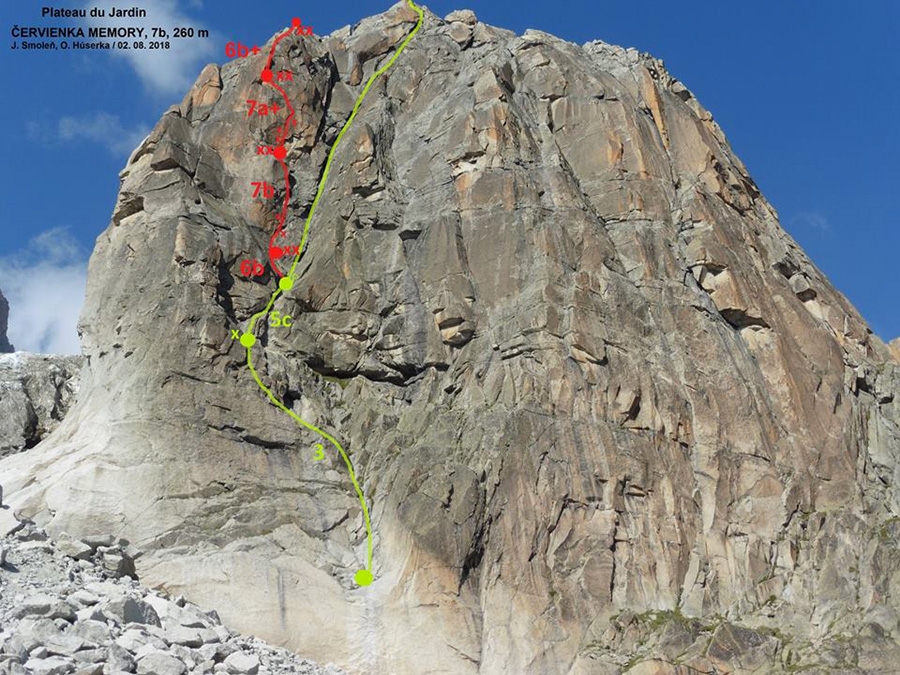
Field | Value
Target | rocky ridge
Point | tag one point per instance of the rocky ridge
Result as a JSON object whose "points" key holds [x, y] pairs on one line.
{"points": [[73, 606], [608, 416], [5, 345], [36, 392]]}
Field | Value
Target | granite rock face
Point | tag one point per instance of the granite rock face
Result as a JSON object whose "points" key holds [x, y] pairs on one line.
{"points": [[607, 415], [5, 346]]}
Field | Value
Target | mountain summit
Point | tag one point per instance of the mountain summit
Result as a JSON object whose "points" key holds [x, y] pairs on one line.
{"points": [[606, 415]]}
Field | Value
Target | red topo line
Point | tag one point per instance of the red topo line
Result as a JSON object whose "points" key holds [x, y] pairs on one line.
{"points": [[275, 251], [290, 118], [275, 44]]}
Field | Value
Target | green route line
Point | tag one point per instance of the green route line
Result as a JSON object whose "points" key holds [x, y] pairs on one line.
{"points": [[347, 124], [365, 576]]}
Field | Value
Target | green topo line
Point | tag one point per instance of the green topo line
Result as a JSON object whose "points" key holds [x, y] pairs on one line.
{"points": [[363, 577], [347, 124]]}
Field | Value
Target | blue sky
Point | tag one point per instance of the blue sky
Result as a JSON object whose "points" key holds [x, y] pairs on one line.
{"points": [[805, 92]]}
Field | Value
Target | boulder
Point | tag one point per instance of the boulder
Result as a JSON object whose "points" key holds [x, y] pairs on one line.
{"points": [[118, 660], [73, 548], [180, 635], [53, 665], [92, 631], [160, 663], [127, 610], [9, 524], [241, 663]]}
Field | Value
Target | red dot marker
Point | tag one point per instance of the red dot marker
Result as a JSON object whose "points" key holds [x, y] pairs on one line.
{"points": [[280, 152], [296, 23], [267, 75], [275, 252]]}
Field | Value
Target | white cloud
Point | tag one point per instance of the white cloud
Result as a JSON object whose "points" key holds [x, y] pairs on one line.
{"points": [[163, 71], [102, 128], [99, 127], [811, 220], [45, 284]]}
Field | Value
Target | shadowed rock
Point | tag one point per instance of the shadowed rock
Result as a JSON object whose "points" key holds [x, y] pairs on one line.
{"points": [[36, 392], [5, 346]]}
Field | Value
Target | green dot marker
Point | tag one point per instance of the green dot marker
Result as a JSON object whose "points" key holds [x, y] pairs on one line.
{"points": [[363, 577]]}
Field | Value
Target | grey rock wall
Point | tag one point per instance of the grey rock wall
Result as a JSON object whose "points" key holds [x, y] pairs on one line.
{"points": [[36, 392], [5, 346]]}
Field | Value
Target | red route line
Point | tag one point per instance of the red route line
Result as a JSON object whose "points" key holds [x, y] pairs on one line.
{"points": [[275, 251]]}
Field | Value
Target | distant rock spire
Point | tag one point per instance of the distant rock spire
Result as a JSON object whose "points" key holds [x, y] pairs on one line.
{"points": [[5, 346], [895, 348]]}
